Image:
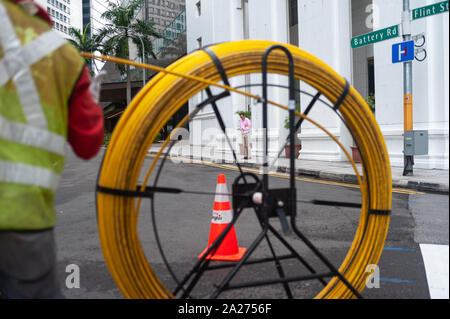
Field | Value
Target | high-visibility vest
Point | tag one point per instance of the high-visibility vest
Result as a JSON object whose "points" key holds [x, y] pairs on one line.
{"points": [[38, 72]]}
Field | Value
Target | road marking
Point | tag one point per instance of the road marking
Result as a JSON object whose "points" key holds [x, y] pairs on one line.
{"points": [[399, 249], [397, 280], [280, 175], [435, 259]]}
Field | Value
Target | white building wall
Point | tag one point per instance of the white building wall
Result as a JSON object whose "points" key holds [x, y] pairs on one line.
{"points": [[76, 14], [437, 87], [224, 21], [325, 31], [268, 21], [98, 7]]}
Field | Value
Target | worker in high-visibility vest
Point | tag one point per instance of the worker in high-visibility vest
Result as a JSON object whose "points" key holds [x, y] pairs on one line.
{"points": [[45, 100]]}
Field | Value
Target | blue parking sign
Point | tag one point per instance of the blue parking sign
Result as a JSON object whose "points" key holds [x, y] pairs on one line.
{"points": [[402, 52]]}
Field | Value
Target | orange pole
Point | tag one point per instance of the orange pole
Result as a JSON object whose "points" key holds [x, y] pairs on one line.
{"points": [[408, 112]]}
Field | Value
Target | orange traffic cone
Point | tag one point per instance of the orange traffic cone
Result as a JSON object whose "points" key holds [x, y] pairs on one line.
{"points": [[222, 215]]}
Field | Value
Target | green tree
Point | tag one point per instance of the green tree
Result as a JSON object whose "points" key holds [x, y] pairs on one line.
{"points": [[122, 29], [87, 44]]}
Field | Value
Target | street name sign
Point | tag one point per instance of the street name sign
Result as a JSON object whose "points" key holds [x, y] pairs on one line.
{"points": [[376, 36], [402, 52], [436, 8]]}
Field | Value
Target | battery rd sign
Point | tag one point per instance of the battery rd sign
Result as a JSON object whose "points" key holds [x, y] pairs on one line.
{"points": [[376, 36], [427, 11]]}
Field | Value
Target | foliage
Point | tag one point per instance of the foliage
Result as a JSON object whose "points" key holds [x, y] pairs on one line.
{"points": [[247, 114], [124, 27], [106, 138], [370, 100], [82, 42], [286, 123], [158, 138], [286, 120]]}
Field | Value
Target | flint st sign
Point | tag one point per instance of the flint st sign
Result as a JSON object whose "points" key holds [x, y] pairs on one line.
{"points": [[430, 10]]}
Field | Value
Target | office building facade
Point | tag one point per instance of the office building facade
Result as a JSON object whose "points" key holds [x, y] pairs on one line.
{"points": [[163, 12], [64, 13], [91, 15]]}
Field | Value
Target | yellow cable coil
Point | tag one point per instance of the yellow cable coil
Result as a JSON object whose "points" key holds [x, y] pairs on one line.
{"points": [[154, 105]]}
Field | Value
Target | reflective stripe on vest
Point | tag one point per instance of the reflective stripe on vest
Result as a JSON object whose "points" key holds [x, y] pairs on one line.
{"points": [[15, 65], [31, 136], [19, 173]]}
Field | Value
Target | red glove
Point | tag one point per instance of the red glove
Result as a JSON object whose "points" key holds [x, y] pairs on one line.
{"points": [[86, 130]]}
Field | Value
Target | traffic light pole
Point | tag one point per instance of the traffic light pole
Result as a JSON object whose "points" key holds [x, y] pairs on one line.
{"points": [[408, 160]]}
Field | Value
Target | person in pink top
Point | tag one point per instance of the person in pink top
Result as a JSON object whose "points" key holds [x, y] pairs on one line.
{"points": [[246, 126]]}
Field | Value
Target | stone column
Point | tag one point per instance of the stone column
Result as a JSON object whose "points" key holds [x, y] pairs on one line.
{"points": [[325, 32]]}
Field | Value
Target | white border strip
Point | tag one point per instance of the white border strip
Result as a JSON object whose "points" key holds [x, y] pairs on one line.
{"points": [[435, 259]]}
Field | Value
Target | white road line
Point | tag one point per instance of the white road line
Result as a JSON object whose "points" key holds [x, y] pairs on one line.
{"points": [[435, 259]]}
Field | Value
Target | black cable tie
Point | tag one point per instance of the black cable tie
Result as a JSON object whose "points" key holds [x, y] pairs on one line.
{"points": [[218, 65], [213, 98], [259, 99], [343, 96], [148, 191], [379, 212]]}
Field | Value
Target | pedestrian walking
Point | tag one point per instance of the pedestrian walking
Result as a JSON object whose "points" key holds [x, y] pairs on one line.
{"points": [[45, 101], [245, 126]]}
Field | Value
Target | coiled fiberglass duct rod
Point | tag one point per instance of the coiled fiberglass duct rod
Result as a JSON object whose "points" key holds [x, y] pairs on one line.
{"points": [[167, 92]]}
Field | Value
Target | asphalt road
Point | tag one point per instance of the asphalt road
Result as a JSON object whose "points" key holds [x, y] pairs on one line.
{"points": [[183, 223]]}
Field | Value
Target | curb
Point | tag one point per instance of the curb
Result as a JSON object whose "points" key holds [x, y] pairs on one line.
{"points": [[337, 177], [422, 186]]}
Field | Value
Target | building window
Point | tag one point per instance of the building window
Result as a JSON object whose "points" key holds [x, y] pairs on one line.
{"points": [[371, 75], [198, 5], [293, 22], [293, 13]]}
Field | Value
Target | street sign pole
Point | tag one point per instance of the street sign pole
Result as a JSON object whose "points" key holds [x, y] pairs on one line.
{"points": [[408, 160]]}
